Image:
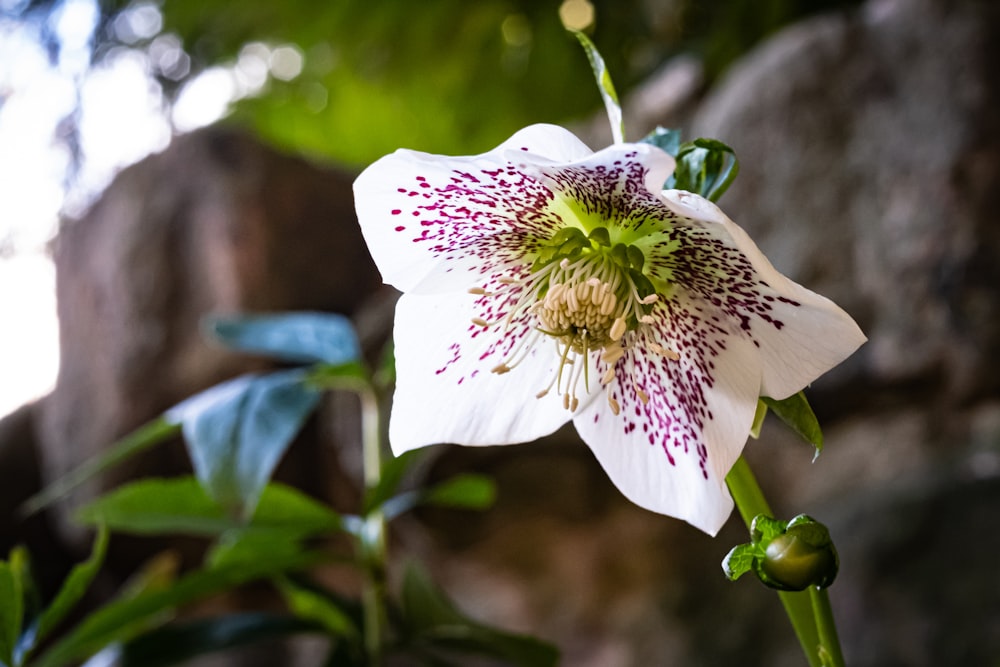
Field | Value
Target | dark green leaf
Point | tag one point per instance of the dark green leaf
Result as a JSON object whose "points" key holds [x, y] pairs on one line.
{"points": [[159, 430], [11, 611], [665, 139], [322, 609], [300, 337], [434, 621], [73, 588], [179, 642], [796, 412], [181, 505], [123, 618], [706, 167], [739, 560], [236, 433]]}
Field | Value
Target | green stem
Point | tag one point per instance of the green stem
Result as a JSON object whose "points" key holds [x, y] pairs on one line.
{"points": [[750, 502], [830, 654], [373, 538]]}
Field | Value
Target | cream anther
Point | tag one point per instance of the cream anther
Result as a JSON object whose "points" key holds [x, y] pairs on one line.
{"points": [[613, 404], [617, 329], [648, 299], [480, 322]]}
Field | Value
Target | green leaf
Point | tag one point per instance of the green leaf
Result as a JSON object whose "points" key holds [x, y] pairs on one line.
{"points": [[179, 642], [322, 609], [394, 469], [73, 588], [124, 618], [153, 433], [739, 560], [604, 84], [796, 412], [706, 167], [435, 622], [236, 433], [467, 491], [181, 505], [300, 337], [664, 139], [11, 611]]}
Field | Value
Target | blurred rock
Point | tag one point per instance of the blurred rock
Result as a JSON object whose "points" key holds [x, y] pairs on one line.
{"points": [[216, 224]]}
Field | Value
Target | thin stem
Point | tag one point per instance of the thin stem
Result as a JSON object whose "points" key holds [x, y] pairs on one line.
{"points": [[373, 539], [830, 654], [750, 502]]}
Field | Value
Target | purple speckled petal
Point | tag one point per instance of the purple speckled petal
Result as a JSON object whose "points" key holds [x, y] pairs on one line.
{"points": [[800, 334], [617, 187], [671, 453], [445, 391], [435, 223]]}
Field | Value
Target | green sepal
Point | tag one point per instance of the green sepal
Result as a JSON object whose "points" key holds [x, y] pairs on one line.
{"points": [[796, 412], [739, 561]]}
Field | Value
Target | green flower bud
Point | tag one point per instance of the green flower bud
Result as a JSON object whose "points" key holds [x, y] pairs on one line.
{"points": [[800, 557]]}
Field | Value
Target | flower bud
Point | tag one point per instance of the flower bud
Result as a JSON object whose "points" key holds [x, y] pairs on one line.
{"points": [[800, 557]]}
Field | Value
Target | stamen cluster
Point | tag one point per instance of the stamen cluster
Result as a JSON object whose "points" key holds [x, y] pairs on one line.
{"points": [[592, 299]]}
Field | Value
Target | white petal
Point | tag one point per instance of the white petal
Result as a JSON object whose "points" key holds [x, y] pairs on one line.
{"points": [[671, 454], [800, 334], [445, 390], [434, 223]]}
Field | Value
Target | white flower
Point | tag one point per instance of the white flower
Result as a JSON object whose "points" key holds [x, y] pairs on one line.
{"points": [[543, 282]]}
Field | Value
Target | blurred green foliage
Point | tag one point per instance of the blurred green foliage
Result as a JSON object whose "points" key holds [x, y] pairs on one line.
{"points": [[448, 76], [452, 76]]}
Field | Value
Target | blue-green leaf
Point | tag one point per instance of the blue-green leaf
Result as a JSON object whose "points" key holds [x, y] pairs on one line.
{"points": [[304, 337], [796, 412], [236, 433], [665, 139], [604, 84]]}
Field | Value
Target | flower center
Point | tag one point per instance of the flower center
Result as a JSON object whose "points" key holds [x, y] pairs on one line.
{"points": [[587, 295]]}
